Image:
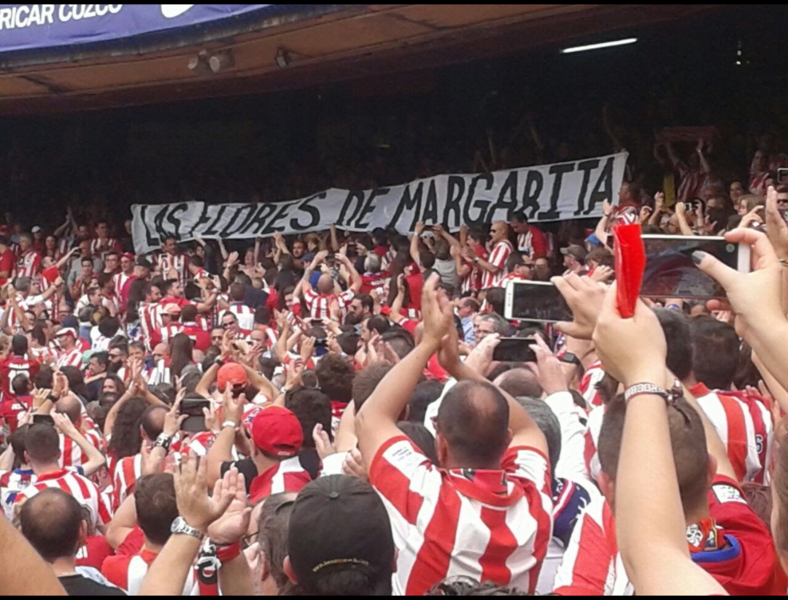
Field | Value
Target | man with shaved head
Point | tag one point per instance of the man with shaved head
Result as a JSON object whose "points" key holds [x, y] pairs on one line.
{"points": [[327, 300], [494, 270], [71, 453]]}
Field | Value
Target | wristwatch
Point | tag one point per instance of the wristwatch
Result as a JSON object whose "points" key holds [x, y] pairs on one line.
{"points": [[219, 362], [163, 441], [572, 359], [181, 527]]}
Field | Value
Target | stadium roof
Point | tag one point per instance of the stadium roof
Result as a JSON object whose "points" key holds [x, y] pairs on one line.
{"points": [[142, 55]]}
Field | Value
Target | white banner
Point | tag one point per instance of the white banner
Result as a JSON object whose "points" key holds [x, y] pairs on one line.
{"points": [[558, 192]]}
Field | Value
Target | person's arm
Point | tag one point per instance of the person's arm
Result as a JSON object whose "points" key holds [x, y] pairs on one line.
{"points": [[168, 573], [7, 459], [60, 231], [681, 215], [96, 459], [654, 550], [223, 249], [50, 291], [674, 159], [258, 381], [704, 162], [123, 522], [66, 257], [354, 283], [280, 348], [488, 266], [462, 268], [222, 449], [395, 315], [208, 379], [22, 571], [414, 243], [659, 209], [334, 238], [778, 392], [109, 423]]}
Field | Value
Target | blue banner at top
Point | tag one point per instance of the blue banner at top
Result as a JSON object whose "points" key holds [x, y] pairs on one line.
{"points": [[41, 26]]}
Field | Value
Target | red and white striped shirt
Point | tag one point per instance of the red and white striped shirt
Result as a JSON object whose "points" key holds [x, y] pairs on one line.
{"points": [[127, 472], [588, 384], [128, 573], [498, 258], [71, 455], [734, 417], [692, 182], [82, 489], [488, 525], [243, 314], [170, 331], [178, 263], [591, 456], [320, 304], [150, 323], [100, 248], [287, 476], [28, 263], [70, 359], [472, 282]]}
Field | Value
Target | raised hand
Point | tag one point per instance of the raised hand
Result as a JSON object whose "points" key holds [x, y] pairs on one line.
{"points": [[191, 493], [436, 311], [585, 298], [323, 444]]}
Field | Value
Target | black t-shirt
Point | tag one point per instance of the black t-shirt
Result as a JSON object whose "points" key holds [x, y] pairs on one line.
{"points": [[78, 585]]}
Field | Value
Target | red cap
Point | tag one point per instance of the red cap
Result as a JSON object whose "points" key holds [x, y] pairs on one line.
{"points": [[231, 374], [278, 432], [129, 256]]}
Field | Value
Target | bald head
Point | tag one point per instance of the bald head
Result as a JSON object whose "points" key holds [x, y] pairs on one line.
{"points": [[71, 406], [152, 422], [52, 523], [473, 420], [519, 383], [325, 284], [499, 231]]}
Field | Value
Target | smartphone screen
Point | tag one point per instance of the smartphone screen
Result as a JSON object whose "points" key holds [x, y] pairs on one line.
{"points": [[535, 301], [195, 421], [515, 349], [671, 273]]}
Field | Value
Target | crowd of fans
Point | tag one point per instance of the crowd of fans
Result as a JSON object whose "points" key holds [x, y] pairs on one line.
{"points": [[323, 414]]}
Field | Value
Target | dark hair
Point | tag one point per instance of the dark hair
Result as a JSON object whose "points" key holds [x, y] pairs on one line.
{"points": [[156, 506], [715, 352], [101, 358], [273, 524], [189, 313], [496, 298], [687, 438], [466, 586], [19, 345], [51, 521], [17, 442], [366, 381], [520, 217], [268, 367], [425, 394], [421, 436], [126, 437], [21, 385], [192, 291], [311, 406], [42, 443], [76, 381], [678, 335], [109, 327], [348, 341], [378, 323], [262, 316], [474, 421], [366, 301], [181, 353], [104, 279], [335, 376], [44, 378], [237, 292], [401, 341], [38, 334]]}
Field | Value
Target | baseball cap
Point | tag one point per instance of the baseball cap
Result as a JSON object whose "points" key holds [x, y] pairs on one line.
{"points": [[67, 331], [231, 374], [575, 251], [277, 431], [339, 524], [36, 229]]}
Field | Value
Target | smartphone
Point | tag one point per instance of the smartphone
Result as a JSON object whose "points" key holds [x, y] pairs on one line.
{"points": [[689, 207], [536, 301], [43, 420], [321, 343], [316, 322], [514, 349], [671, 273], [782, 175], [192, 407]]}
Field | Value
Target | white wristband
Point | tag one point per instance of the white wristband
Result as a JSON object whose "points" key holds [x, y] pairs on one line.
{"points": [[229, 424]]}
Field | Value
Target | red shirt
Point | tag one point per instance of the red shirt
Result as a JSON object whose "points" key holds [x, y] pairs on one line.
{"points": [[95, 551], [7, 264], [198, 335], [373, 281], [17, 365]]}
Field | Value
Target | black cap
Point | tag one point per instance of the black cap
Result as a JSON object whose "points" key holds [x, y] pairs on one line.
{"points": [[339, 523]]}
